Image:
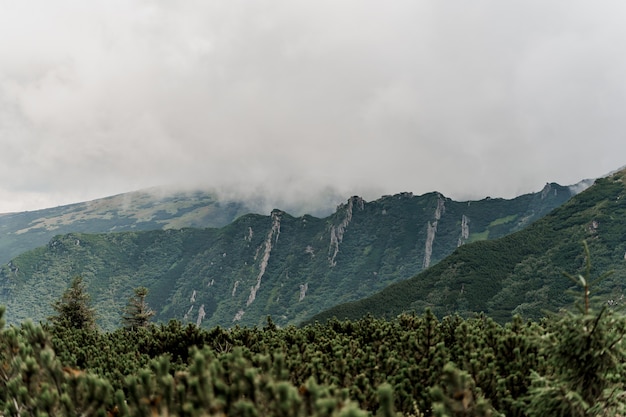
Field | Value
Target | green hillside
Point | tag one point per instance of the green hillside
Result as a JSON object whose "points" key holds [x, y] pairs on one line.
{"points": [[522, 272], [288, 267], [141, 210]]}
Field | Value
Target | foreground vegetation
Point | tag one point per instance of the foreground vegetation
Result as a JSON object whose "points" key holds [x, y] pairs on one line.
{"points": [[570, 365]]}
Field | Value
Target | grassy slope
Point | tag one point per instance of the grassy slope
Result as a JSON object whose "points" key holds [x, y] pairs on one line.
{"points": [[142, 210]]}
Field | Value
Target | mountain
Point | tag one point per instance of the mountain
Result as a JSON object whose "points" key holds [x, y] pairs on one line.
{"points": [[141, 210], [521, 273], [280, 265], [149, 209]]}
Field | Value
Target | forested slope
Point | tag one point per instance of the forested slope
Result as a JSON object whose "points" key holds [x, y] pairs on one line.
{"points": [[522, 272]]}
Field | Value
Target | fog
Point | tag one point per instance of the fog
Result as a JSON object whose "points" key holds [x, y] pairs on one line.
{"points": [[302, 100]]}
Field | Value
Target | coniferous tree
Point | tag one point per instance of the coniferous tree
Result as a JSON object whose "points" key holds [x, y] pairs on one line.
{"points": [[457, 396], [35, 382], [74, 308], [586, 372], [137, 313], [586, 356]]}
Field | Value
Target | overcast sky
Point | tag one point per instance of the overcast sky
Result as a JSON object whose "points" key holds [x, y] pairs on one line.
{"points": [[469, 98]]}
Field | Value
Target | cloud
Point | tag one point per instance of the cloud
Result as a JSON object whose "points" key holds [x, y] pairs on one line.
{"points": [[471, 99]]}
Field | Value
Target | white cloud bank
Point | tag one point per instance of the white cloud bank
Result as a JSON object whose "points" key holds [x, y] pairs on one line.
{"points": [[467, 98]]}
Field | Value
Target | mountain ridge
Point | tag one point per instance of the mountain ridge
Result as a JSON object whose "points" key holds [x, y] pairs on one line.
{"points": [[280, 265], [519, 273], [149, 209]]}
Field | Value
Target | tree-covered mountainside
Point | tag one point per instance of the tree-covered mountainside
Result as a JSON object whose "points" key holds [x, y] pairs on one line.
{"points": [[288, 267], [522, 272]]}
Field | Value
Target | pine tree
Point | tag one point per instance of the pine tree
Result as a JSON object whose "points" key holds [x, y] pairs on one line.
{"points": [[137, 313], [35, 382], [586, 358], [74, 308], [458, 396]]}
